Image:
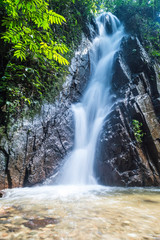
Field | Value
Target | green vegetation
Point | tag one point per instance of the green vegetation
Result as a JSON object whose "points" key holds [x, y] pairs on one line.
{"points": [[37, 45], [28, 30], [31, 43], [141, 18], [114, 4], [138, 133]]}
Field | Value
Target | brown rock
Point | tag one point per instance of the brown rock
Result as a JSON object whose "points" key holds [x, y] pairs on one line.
{"points": [[40, 223]]}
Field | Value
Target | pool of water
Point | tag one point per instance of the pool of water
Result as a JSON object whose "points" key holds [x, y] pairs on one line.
{"points": [[80, 213]]}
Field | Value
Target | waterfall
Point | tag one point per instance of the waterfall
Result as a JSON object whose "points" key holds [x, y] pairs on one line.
{"points": [[90, 112]]}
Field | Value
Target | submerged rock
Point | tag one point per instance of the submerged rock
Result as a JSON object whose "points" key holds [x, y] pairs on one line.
{"points": [[40, 223]]}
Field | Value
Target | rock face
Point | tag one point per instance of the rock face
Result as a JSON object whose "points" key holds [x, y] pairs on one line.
{"points": [[121, 160], [34, 150]]}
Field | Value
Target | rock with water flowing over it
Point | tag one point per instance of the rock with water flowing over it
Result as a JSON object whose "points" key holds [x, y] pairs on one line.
{"points": [[34, 148], [123, 161]]}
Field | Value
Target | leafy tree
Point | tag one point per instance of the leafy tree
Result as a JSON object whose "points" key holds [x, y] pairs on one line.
{"points": [[36, 41], [28, 29], [32, 49]]}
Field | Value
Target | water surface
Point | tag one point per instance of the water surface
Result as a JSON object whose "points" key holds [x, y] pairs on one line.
{"points": [[80, 213]]}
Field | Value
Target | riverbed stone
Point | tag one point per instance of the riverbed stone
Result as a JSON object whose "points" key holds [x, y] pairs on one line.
{"points": [[40, 223]]}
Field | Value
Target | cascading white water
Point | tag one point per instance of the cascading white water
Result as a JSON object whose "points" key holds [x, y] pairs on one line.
{"points": [[89, 114]]}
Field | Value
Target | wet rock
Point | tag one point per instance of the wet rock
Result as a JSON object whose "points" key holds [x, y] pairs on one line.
{"points": [[107, 21], [150, 201], [36, 147], [134, 54], [1, 194], [11, 229], [121, 76], [3, 161], [40, 223], [123, 161]]}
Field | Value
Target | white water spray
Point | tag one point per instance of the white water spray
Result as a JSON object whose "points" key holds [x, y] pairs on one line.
{"points": [[90, 113]]}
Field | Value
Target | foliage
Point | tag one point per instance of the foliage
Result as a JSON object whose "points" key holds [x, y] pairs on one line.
{"points": [[26, 85], [28, 29], [77, 14], [151, 33], [114, 4], [34, 54], [138, 133], [141, 18]]}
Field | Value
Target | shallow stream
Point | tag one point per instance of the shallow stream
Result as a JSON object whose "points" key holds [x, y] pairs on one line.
{"points": [[80, 213]]}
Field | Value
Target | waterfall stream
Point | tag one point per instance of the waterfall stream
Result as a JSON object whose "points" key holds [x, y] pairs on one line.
{"points": [[90, 112]]}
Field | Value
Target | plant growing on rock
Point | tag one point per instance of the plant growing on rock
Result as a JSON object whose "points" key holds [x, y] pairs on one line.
{"points": [[138, 133]]}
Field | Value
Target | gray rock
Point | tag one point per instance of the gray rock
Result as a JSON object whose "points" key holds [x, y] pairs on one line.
{"points": [[3, 163]]}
